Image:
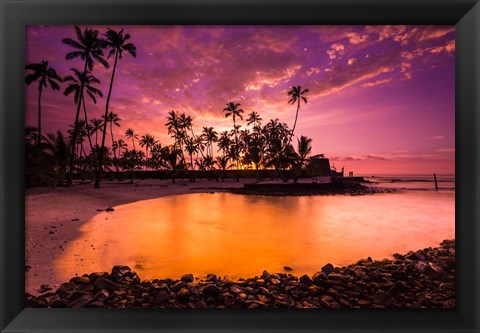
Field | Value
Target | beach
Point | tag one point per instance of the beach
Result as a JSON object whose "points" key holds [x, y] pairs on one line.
{"points": [[69, 230], [54, 216]]}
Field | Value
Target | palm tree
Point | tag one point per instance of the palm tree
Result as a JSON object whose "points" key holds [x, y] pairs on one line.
{"points": [[233, 110], [222, 162], [96, 126], [210, 136], [116, 42], [46, 76], [89, 47], [75, 86], [296, 95], [224, 142], [113, 119], [121, 145], [130, 134], [173, 126], [254, 118], [304, 149], [147, 141]]}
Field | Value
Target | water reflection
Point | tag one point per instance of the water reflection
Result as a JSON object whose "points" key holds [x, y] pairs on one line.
{"points": [[237, 235]]}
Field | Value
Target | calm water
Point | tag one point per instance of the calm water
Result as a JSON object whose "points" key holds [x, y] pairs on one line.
{"points": [[241, 236]]}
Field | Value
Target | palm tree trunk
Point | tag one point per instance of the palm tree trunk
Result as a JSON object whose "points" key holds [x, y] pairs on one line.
{"points": [[114, 152], [295, 123], [39, 135], [98, 174], [75, 130], [88, 132]]}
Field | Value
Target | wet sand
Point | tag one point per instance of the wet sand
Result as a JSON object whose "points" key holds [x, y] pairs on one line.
{"points": [[54, 216]]}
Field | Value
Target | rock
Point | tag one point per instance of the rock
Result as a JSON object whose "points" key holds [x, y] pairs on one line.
{"points": [[415, 256], [266, 275], [398, 256], [287, 268], [94, 276], [335, 276], [228, 300], [80, 280], [109, 209], [161, 297], [179, 285], [96, 305], [328, 268], [306, 280], [364, 303], [382, 298], [211, 290], [101, 296], [187, 278], [80, 302], [236, 289], [183, 295], [44, 288], [399, 275], [103, 283]]}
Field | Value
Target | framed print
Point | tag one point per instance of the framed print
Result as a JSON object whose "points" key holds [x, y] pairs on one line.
{"points": [[247, 166]]}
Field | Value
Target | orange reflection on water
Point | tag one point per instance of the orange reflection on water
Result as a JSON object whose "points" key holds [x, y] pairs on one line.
{"points": [[240, 236]]}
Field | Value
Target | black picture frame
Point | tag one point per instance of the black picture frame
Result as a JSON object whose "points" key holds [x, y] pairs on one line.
{"points": [[15, 14]]}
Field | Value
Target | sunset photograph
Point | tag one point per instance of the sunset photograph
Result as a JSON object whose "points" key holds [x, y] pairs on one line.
{"points": [[240, 166]]}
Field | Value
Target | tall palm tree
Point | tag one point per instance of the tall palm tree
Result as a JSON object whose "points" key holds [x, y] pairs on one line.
{"points": [[130, 134], [112, 119], [89, 47], [173, 126], [46, 76], [117, 43], [233, 110], [296, 95], [97, 125], [78, 84]]}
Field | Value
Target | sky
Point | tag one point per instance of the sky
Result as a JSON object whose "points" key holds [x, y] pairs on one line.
{"points": [[381, 98]]}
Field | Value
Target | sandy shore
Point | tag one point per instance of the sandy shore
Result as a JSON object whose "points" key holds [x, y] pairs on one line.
{"points": [[54, 216]]}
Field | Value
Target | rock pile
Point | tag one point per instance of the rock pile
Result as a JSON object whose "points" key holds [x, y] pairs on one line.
{"points": [[338, 187], [421, 279]]}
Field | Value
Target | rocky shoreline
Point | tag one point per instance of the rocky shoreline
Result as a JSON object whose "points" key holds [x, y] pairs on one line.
{"points": [[336, 187], [420, 279]]}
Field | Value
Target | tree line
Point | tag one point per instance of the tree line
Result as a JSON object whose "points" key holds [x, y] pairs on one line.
{"points": [[54, 159]]}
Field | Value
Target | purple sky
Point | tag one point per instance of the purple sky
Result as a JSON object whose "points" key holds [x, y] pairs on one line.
{"points": [[382, 98]]}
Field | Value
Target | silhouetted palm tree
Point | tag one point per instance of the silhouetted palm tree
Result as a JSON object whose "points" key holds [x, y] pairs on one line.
{"points": [[296, 95], [210, 136], [233, 110], [117, 44], [130, 134], [304, 149], [147, 141], [222, 162], [46, 76], [78, 84], [112, 119], [254, 118], [89, 47], [97, 125]]}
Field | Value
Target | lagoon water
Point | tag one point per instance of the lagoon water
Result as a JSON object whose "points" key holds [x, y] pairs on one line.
{"points": [[240, 236]]}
